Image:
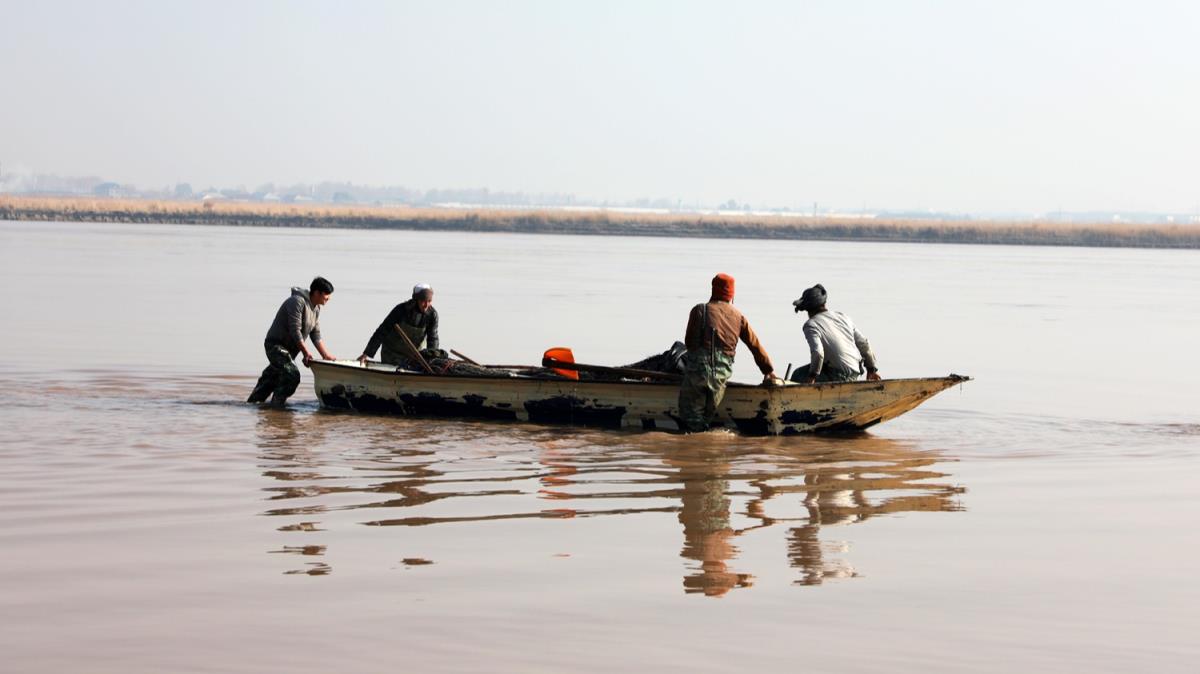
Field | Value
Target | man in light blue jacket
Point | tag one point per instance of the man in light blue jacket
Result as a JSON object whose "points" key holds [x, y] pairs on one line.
{"points": [[297, 320]]}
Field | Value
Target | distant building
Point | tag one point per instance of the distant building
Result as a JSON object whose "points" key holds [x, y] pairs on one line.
{"points": [[235, 193], [109, 190]]}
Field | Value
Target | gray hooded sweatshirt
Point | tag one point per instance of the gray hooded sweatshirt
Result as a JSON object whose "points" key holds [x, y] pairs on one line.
{"points": [[832, 342], [296, 320]]}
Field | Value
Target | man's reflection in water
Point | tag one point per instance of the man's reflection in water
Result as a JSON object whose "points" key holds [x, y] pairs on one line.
{"points": [[825, 507], [705, 515], [837, 481], [284, 449], [885, 477], [296, 454], [276, 430]]}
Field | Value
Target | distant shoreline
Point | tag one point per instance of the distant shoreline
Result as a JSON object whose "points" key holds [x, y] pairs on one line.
{"points": [[600, 223]]}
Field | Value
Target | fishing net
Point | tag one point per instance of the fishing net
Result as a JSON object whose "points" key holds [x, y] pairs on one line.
{"points": [[669, 361]]}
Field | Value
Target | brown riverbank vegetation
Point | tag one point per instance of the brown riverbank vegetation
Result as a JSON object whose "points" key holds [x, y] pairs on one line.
{"points": [[597, 222]]}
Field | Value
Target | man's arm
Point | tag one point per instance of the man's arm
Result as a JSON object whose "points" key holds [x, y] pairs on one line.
{"points": [[377, 336], [295, 320], [323, 351], [691, 336], [868, 356], [756, 349], [816, 352], [431, 330], [315, 337]]}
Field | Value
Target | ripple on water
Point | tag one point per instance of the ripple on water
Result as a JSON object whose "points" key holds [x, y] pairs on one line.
{"points": [[167, 451]]}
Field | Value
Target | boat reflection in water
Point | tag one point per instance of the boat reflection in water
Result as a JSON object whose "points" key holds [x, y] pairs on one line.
{"points": [[330, 468], [822, 483]]}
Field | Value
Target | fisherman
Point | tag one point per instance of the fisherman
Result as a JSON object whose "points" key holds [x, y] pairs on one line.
{"points": [[297, 320], [712, 335], [838, 351], [419, 321]]}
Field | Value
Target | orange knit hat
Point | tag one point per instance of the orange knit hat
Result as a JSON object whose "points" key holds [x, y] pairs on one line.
{"points": [[722, 287]]}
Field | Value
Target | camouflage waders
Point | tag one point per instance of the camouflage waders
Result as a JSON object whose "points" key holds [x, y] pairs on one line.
{"points": [[280, 378], [703, 388]]}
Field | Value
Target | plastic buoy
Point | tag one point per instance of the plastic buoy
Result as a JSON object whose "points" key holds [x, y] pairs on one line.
{"points": [[564, 355]]}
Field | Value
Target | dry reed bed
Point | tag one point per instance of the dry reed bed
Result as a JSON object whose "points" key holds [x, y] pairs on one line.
{"points": [[598, 222]]}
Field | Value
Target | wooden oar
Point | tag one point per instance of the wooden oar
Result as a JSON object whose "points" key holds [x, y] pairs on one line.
{"points": [[413, 350], [464, 357], [621, 371]]}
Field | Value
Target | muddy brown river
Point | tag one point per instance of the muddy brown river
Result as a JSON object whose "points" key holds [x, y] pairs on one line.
{"points": [[1039, 518]]}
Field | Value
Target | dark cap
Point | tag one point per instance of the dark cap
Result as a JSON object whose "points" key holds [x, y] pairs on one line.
{"points": [[813, 298]]}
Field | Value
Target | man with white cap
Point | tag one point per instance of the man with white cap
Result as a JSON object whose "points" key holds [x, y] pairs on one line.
{"points": [[419, 321]]}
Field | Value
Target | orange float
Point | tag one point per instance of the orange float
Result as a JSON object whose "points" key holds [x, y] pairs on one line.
{"points": [[564, 355]]}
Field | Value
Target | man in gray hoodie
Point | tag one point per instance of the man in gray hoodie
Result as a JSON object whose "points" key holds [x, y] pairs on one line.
{"points": [[297, 320]]}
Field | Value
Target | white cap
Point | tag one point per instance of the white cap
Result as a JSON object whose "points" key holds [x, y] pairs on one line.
{"points": [[420, 288]]}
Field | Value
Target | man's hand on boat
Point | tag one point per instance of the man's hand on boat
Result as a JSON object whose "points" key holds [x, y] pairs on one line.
{"points": [[772, 380], [362, 360], [309, 357]]}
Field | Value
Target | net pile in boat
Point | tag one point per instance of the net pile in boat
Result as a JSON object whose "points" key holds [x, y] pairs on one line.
{"points": [[669, 361]]}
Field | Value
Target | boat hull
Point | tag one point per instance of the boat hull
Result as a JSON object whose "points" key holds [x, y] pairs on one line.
{"points": [[751, 410]]}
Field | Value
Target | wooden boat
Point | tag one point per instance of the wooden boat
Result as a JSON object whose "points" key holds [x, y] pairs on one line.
{"points": [[648, 405]]}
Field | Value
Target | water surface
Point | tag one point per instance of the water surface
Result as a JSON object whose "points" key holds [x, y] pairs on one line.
{"points": [[1039, 518]]}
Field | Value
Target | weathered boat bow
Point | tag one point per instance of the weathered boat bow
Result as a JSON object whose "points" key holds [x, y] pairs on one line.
{"points": [[750, 409]]}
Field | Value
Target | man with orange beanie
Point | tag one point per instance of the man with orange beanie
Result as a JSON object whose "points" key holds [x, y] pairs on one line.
{"points": [[713, 331]]}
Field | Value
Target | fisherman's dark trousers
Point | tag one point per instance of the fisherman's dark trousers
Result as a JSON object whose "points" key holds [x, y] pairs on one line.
{"points": [[281, 377], [828, 374], [702, 389]]}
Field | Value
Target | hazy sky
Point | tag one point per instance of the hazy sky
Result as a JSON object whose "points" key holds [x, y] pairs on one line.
{"points": [[953, 105]]}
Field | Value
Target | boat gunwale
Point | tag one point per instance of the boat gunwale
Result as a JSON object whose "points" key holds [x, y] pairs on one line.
{"points": [[956, 378]]}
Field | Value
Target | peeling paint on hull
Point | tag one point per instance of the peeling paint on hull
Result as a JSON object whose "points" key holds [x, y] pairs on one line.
{"points": [[751, 410]]}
